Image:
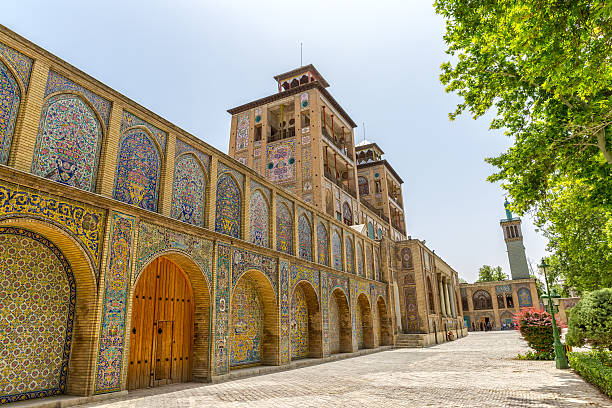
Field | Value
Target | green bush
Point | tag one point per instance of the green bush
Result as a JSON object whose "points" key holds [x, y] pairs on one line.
{"points": [[536, 328], [595, 367], [534, 355], [590, 321]]}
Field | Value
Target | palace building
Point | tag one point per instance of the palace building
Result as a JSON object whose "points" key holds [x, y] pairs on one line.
{"points": [[133, 254], [497, 302]]}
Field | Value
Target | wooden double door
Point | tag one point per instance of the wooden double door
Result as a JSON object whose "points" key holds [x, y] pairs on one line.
{"points": [[161, 336]]}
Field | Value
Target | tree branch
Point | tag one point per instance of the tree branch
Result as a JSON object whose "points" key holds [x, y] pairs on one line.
{"points": [[601, 143]]}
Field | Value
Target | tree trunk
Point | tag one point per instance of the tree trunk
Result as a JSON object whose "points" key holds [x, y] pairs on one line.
{"points": [[601, 143]]}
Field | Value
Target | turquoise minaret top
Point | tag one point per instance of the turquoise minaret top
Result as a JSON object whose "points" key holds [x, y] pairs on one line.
{"points": [[508, 213]]}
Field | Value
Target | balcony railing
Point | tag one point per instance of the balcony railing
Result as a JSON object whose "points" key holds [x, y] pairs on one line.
{"points": [[379, 212], [340, 146], [396, 201], [340, 183]]}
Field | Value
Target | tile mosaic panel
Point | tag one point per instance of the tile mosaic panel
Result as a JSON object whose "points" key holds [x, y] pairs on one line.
{"points": [[37, 308], [358, 327], [334, 325], [243, 261], [376, 265], [20, 63], [222, 168], [114, 306], [350, 258], [302, 273], [322, 244], [181, 147], [259, 219], [299, 325], [247, 324], [68, 144], [285, 335], [242, 131], [189, 190], [138, 167], [281, 162], [406, 255], [284, 229], [338, 281], [306, 163], [325, 312], [222, 302], [58, 83], [10, 96], [360, 270], [84, 223], [129, 120], [503, 288], [228, 207], [304, 238], [524, 296], [336, 250], [154, 240]]}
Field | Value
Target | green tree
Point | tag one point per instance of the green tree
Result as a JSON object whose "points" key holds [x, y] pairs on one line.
{"points": [[544, 70], [487, 273], [590, 321]]}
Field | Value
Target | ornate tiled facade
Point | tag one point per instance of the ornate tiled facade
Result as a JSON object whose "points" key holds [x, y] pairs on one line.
{"points": [[138, 167], [247, 324], [259, 219], [68, 144], [154, 241], [242, 136], [304, 238], [10, 97], [114, 309], [299, 325], [229, 201], [188, 190], [137, 188], [322, 244], [284, 229], [37, 307]]}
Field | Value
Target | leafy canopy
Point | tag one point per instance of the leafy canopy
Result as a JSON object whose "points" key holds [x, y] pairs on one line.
{"points": [[487, 273]]}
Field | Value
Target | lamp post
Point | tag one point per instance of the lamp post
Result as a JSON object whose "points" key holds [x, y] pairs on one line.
{"points": [[560, 360]]}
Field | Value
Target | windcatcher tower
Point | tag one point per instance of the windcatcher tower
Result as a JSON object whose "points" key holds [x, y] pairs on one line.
{"points": [[513, 235]]}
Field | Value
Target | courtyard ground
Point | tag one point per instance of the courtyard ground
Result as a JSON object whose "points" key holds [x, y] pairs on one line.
{"points": [[479, 370]]}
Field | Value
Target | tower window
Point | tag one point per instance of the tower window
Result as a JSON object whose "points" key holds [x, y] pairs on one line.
{"points": [[305, 119], [257, 133]]}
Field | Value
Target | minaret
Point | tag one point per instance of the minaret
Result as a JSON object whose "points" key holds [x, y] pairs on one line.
{"points": [[514, 242]]}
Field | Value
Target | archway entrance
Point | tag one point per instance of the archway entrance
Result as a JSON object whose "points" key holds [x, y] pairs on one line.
{"points": [[161, 337], [340, 333], [305, 323], [363, 314], [254, 332], [384, 323], [37, 309]]}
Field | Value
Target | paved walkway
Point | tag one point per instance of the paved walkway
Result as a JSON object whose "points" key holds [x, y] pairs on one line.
{"points": [[478, 370]]}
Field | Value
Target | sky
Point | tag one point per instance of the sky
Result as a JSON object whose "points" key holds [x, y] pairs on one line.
{"points": [[190, 61]]}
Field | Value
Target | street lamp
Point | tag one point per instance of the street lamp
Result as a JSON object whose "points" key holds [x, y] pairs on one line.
{"points": [[552, 300]]}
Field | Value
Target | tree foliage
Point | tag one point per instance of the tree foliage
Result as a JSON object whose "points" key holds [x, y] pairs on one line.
{"points": [[544, 70], [488, 273], [590, 321]]}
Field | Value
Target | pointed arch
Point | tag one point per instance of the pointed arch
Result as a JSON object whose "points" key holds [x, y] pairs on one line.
{"points": [[304, 238], [10, 101], [48, 248], [329, 203], [259, 219], [336, 250], [349, 254], [322, 244], [189, 190], [340, 325], [305, 322], [360, 259], [347, 213], [364, 325], [284, 228], [255, 328], [385, 331], [138, 169], [69, 140], [430, 296], [228, 206]]}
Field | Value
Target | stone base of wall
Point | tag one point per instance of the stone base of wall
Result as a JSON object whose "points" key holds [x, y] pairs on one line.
{"points": [[63, 401]]}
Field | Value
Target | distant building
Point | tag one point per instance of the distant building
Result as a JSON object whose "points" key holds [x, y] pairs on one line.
{"points": [[496, 302]]}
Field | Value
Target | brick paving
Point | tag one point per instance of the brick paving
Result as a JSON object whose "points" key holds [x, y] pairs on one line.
{"points": [[478, 370]]}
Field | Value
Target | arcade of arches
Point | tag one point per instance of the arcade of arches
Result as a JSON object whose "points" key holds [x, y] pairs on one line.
{"points": [[116, 275]]}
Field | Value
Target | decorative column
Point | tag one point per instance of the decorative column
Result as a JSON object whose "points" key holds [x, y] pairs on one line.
{"points": [[441, 296], [447, 299]]}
